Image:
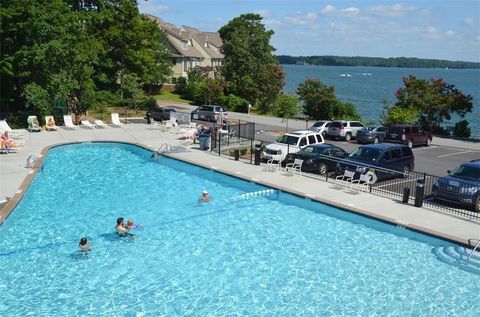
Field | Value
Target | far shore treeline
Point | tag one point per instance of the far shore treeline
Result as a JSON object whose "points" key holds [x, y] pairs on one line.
{"points": [[400, 62]]}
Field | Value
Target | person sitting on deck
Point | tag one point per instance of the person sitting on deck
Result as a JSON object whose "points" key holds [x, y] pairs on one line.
{"points": [[7, 142]]}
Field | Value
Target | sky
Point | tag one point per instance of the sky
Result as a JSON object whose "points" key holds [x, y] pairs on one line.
{"points": [[438, 29]]}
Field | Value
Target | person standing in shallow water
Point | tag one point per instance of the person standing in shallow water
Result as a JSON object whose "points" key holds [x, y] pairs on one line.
{"points": [[204, 198], [84, 245]]}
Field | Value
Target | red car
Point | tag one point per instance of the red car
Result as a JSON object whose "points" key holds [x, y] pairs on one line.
{"points": [[408, 134]]}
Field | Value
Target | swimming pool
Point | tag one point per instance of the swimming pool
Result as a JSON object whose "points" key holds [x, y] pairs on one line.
{"points": [[265, 255]]}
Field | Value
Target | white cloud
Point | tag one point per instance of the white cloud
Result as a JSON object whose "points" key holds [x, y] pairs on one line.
{"points": [[301, 19], [450, 33], [471, 21], [396, 10], [328, 9], [432, 32], [152, 8], [263, 13], [349, 12]]}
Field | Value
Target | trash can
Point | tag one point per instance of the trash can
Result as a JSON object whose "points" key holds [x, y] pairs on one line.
{"points": [[204, 140], [406, 195], [257, 156], [236, 154], [419, 192]]}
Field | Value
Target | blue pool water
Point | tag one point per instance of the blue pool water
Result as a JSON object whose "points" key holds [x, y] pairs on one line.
{"points": [[276, 255]]}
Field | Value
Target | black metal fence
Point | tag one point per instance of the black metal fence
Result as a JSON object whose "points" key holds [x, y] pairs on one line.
{"points": [[237, 139]]}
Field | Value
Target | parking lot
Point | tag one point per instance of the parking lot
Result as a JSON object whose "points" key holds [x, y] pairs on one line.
{"points": [[435, 160]]}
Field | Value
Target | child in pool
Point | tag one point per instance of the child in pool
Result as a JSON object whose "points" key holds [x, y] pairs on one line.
{"points": [[130, 225]]}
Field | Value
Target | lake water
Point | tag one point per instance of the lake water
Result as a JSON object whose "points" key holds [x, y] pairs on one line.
{"points": [[368, 87]]}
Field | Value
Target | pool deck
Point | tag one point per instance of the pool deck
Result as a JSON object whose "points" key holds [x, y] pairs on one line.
{"points": [[15, 177]]}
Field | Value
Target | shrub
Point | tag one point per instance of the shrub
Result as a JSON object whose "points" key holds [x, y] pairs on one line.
{"points": [[237, 104], [181, 86], [149, 103], [243, 151], [462, 130]]}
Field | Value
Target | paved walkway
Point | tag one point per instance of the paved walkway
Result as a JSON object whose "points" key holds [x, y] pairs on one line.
{"points": [[13, 173]]}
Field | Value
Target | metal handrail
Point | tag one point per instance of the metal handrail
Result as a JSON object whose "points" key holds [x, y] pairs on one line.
{"points": [[31, 160], [475, 248]]}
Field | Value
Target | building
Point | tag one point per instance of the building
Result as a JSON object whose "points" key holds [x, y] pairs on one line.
{"points": [[191, 48]]}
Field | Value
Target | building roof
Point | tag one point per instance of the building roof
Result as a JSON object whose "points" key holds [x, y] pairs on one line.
{"points": [[210, 42]]}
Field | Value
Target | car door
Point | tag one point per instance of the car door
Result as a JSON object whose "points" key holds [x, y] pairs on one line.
{"points": [[338, 154], [381, 133], [311, 139], [303, 142], [423, 136], [415, 135]]}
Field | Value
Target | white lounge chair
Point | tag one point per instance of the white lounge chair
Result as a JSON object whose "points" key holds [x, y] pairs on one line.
{"points": [[295, 167], [155, 124], [363, 181], [67, 119], [100, 124], [14, 134], [50, 127], [274, 164], [33, 124], [116, 120], [87, 124], [7, 150]]}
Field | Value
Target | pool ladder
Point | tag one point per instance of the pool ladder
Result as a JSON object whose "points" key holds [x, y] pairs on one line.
{"points": [[475, 248], [31, 160]]}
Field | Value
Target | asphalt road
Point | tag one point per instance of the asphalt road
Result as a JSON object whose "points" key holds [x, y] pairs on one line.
{"points": [[435, 160]]}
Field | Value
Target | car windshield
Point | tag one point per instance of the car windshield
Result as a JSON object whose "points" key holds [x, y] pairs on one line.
{"points": [[366, 154], [467, 172], [288, 139]]}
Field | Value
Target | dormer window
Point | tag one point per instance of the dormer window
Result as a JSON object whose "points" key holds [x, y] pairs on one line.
{"points": [[190, 42], [184, 45]]}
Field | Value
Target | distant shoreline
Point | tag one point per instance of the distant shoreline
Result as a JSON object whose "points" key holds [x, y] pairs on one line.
{"points": [[394, 62]]}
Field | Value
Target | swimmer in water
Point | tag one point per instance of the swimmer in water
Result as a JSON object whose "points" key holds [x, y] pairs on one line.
{"points": [[204, 198], [84, 245]]}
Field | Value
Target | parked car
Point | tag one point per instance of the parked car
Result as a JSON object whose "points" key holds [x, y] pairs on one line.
{"points": [[210, 113], [408, 134], [371, 134], [318, 158], [461, 186], [291, 143], [158, 114], [344, 129], [321, 127], [381, 160]]}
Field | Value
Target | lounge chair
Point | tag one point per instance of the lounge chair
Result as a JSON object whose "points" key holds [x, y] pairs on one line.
{"points": [[116, 120], [154, 124], [14, 134], [7, 150], [295, 167], [87, 124], [33, 125], [100, 124], [67, 119], [50, 127]]}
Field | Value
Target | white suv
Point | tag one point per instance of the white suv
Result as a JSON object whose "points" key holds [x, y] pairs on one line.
{"points": [[291, 143], [344, 129]]}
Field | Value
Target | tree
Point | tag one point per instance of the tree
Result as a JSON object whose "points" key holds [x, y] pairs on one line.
{"points": [[270, 82], [248, 55], [133, 92], [461, 129], [210, 91], [320, 102], [286, 107], [398, 115], [436, 100]]}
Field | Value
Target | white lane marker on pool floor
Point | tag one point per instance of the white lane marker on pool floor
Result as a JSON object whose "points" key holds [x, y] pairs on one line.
{"points": [[456, 153]]}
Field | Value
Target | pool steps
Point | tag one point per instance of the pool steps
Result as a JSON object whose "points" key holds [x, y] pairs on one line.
{"points": [[460, 257], [265, 192]]}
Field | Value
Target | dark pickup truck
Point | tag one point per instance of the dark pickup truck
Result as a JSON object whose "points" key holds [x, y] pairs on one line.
{"points": [[408, 134]]}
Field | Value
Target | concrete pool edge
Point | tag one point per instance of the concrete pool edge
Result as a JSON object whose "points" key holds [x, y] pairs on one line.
{"points": [[13, 202]]}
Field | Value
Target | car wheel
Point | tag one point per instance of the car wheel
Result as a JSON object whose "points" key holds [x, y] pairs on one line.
{"points": [[324, 134], [476, 207], [410, 143], [348, 137], [376, 140], [322, 169], [428, 142], [406, 171]]}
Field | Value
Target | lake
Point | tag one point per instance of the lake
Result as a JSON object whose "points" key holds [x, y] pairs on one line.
{"points": [[368, 87]]}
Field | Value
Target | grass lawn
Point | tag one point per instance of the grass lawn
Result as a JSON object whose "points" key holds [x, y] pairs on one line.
{"points": [[170, 96]]}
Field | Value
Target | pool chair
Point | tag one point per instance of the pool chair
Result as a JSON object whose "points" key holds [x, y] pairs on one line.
{"points": [[67, 119], [154, 124], [116, 120], [274, 164], [295, 167], [86, 124], [33, 125], [7, 150], [52, 126], [100, 124], [14, 133]]}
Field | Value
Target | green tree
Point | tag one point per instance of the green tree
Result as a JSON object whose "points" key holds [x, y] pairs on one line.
{"points": [[462, 130], [397, 115], [133, 92], [320, 102], [37, 99], [270, 82], [210, 91], [248, 55], [435, 99], [286, 107]]}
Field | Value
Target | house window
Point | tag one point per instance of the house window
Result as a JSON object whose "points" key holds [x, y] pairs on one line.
{"points": [[190, 42], [184, 45], [185, 66]]}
